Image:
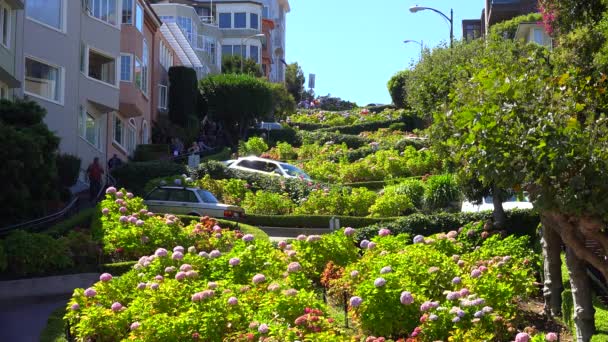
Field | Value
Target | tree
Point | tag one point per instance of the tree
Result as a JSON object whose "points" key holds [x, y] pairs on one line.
{"points": [[184, 97], [236, 101], [283, 103], [396, 87], [29, 152], [232, 65], [294, 81]]}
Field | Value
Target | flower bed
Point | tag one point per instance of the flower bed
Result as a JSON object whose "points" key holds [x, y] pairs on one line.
{"points": [[228, 286]]}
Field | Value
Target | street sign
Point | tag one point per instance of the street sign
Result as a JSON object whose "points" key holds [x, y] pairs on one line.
{"points": [[311, 81]]}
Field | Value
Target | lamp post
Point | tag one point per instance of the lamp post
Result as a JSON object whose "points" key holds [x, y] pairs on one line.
{"points": [[259, 35], [421, 43], [450, 19]]}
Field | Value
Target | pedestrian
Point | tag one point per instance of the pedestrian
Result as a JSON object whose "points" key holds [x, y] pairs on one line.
{"points": [[194, 149], [94, 171], [114, 162]]}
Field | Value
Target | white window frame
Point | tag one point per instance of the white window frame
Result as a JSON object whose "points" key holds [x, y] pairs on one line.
{"points": [[116, 118], [231, 20], [60, 88], [3, 22], [103, 53], [135, 61], [130, 67], [132, 12], [63, 17], [145, 67], [131, 134], [246, 20], [163, 100], [145, 134], [117, 13], [82, 128]]}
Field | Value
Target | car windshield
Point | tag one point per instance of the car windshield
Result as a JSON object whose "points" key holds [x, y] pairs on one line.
{"points": [[512, 198], [207, 197], [294, 171]]}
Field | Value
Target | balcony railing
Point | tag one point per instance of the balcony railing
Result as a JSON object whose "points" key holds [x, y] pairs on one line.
{"points": [[209, 20]]}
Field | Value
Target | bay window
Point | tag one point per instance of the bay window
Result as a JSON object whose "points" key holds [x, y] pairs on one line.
{"points": [[254, 21], [118, 130], [43, 80], [90, 128], [127, 12], [104, 10], [240, 20], [125, 68], [139, 18], [102, 67], [47, 12]]}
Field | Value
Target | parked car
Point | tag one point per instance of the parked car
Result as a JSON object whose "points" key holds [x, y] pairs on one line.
{"points": [[269, 126], [189, 201], [267, 167], [512, 202]]}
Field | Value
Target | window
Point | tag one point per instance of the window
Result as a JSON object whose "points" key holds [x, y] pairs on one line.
{"points": [[139, 18], [104, 10], [43, 80], [176, 195], [90, 128], [144, 69], [125, 68], [118, 130], [206, 196], [166, 57], [226, 50], [102, 67], [236, 50], [48, 12], [4, 92], [162, 97], [131, 137], [144, 132], [240, 20], [158, 195], [167, 18], [254, 21], [127, 12], [538, 36], [185, 23], [225, 20], [5, 25], [254, 53], [137, 73], [265, 13]]}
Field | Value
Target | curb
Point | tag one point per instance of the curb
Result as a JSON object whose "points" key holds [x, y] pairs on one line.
{"points": [[47, 286]]}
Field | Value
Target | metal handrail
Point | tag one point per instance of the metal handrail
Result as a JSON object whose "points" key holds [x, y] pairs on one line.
{"points": [[43, 220]]}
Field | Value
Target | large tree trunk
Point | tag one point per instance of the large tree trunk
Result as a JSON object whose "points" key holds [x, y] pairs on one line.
{"points": [[552, 289], [582, 296], [500, 218]]}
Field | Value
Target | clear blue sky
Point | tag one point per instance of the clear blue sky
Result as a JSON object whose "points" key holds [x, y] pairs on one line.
{"points": [[355, 46]]}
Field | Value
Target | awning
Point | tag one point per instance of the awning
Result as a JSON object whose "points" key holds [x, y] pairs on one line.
{"points": [[180, 44]]}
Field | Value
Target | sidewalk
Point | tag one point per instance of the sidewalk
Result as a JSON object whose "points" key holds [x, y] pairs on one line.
{"points": [[24, 319]]}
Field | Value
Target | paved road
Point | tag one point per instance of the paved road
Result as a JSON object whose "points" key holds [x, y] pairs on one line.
{"points": [[23, 320]]}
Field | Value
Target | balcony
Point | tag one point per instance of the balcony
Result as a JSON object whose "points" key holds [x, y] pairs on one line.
{"points": [[208, 20], [501, 10]]}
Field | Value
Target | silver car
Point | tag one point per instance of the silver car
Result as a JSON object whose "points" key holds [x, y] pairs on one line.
{"points": [[189, 201]]}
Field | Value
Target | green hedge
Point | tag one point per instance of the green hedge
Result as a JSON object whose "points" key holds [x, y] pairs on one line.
{"points": [[245, 228], [307, 126], [222, 155], [151, 152], [352, 141], [287, 134], [135, 175], [80, 220], [311, 221], [68, 169], [519, 222], [117, 268], [411, 122]]}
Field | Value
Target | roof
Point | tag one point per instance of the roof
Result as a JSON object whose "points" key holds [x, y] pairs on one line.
{"points": [[180, 44]]}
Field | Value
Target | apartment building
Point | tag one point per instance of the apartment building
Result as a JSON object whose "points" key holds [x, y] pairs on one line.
{"points": [[139, 53], [71, 59], [267, 27], [276, 10], [11, 48], [533, 32], [496, 11], [201, 32]]}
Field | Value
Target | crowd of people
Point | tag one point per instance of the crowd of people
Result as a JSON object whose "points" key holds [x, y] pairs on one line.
{"points": [[210, 137]]}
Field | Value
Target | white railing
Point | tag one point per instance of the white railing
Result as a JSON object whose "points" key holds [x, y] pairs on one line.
{"points": [[209, 20]]}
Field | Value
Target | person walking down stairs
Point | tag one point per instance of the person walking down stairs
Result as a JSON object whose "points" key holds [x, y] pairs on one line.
{"points": [[94, 171]]}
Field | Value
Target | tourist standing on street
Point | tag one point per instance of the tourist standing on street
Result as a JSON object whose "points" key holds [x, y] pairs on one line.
{"points": [[114, 162], [94, 171]]}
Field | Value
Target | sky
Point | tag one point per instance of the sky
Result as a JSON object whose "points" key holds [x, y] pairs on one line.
{"points": [[354, 46]]}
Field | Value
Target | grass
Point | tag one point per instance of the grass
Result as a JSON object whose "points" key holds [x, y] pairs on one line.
{"points": [[55, 327]]}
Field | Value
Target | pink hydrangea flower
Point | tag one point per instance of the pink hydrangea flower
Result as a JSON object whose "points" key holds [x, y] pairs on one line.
{"points": [[217, 229], [460, 263], [354, 274], [207, 293], [371, 245], [179, 249], [418, 239], [132, 219], [191, 274], [464, 292], [185, 267], [348, 231], [476, 273], [288, 247], [282, 244], [384, 232], [212, 285], [135, 326], [452, 234], [161, 252], [453, 295], [75, 307], [483, 268], [355, 301], [204, 255], [386, 269], [263, 329], [180, 276], [141, 286], [177, 256], [170, 269], [129, 195], [215, 254], [192, 250], [154, 286], [406, 298], [522, 337], [196, 297], [105, 277], [150, 213], [259, 278], [123, 219], [379, 282], [273, 287], [456, 280], [291, 292], [233, 301], [111, 190], [551, 337], [301, 237], [313, 238], [143, 211], [364, 244], [116, 306], [122, 210], [139, 223], [293, 267], [159, 278], [234, 261], [291, 254], [105, 211], [119, 194], [248, 237]]}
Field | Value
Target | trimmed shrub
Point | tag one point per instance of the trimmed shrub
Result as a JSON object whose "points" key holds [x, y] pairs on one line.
{"points": [[322, 137], [224, 154], [414, 189], [410, 122], [80, 220], [34, 254], [267, 203], [312, 221], [184, 98], [441, 191], [287, 134], [391, 204], [254, 146], [68, 168], [151, 152], [135, 175]]}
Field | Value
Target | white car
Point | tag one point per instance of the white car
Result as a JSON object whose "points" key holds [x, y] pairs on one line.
{"points": [[189, 201], [486, 204], [267, 167], [269, 126]]}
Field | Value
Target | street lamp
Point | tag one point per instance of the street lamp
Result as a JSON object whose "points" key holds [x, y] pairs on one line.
{"points": [[243, 53], [421, 43], [450, 19]]}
